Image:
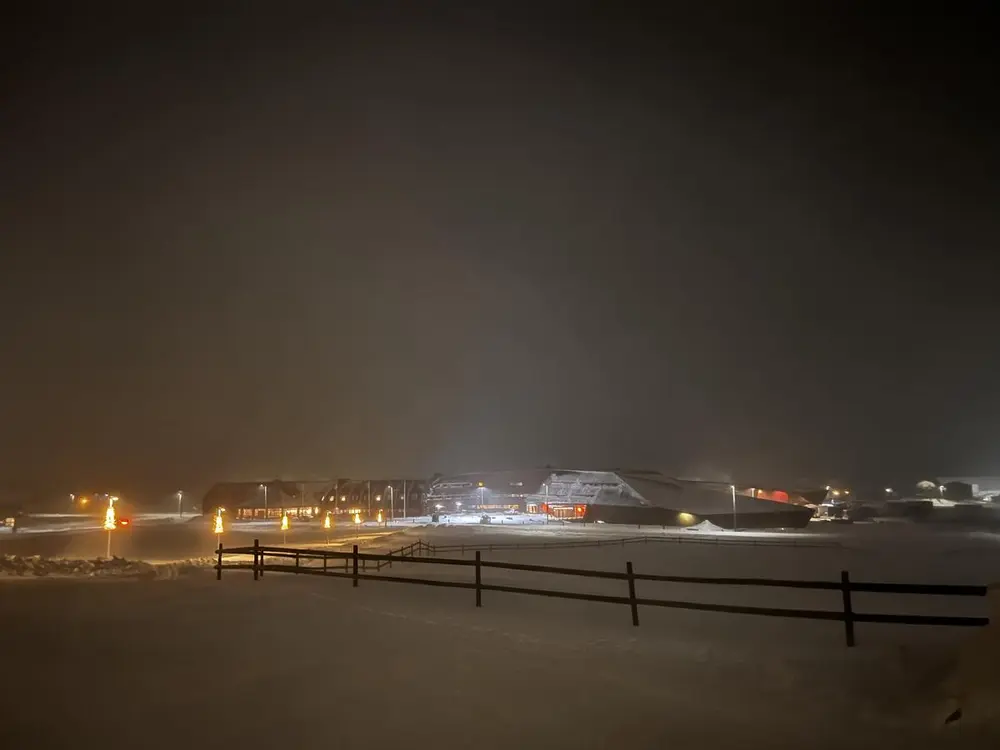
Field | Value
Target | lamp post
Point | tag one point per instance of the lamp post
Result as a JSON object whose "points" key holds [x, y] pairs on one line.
{"points": [[733, 488], [110, 522], [284, 527], [180, 506], [264, 487], [392, 503]]}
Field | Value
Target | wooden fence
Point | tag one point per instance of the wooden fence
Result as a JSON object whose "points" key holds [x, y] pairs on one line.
{"points": [[356, 564], [677, 538]]}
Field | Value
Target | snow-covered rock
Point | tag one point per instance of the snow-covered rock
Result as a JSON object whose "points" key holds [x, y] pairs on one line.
{"points": [[36, 565], [971, 691]]}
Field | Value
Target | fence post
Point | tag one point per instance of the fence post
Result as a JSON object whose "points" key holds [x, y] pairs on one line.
{"points": [[355, 566], [256, 559], [296, 561], [845, 589], [218, 564], [479, 582], [324, 561], [631, 595]]}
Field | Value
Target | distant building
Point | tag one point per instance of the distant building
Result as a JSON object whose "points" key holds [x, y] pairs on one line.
{"points": [[617, 497], [396, 498], [263, 500], [308, 499], [961, 488]]}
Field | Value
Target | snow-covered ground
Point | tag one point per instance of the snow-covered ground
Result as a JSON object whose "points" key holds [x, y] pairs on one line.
{"points": [[298, 661], [54, 523], [293, 661]]}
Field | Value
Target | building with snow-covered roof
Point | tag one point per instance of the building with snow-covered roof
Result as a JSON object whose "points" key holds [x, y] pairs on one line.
{"points": [[617, 496]]}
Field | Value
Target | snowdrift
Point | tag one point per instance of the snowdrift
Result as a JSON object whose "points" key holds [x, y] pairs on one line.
{"points": [[971, 690], [706, 526]]}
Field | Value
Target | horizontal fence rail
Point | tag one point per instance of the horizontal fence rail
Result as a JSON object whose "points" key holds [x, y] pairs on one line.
{"points": [[677, 538], [356, 566]]}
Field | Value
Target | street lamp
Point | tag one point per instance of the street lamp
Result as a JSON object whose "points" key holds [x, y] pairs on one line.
{"points": [[180, 507], [218, 521], [482, 495], [392, 503], [110, 522], [733, 488], [264, 487]]}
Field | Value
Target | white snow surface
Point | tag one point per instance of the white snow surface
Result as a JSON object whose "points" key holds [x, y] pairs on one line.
{"points": [[388, 664], [52, 523], [706, 526]]}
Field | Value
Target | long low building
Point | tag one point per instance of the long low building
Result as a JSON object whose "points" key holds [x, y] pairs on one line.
{"points": [[270, 499], [618, 496]]}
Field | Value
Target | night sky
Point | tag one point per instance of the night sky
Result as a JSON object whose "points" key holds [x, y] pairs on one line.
{"points": [[286, 239]]}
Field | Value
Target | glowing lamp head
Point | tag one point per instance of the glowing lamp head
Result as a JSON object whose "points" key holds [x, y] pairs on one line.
{"points": [[218, 523], [357, 518], [326, 520], [284, 522], [379, 516], [110, 520]]}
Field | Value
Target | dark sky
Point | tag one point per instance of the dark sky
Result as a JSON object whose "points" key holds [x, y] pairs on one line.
{"points": [[347, 238]]}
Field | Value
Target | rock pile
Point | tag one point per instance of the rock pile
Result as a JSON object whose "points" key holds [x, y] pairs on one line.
{"points": [[36, 565]]}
